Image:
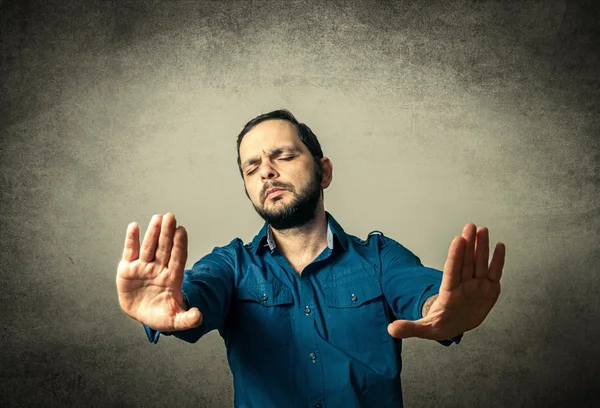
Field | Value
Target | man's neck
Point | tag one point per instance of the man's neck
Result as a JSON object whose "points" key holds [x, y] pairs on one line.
{"points": [[303, 244]]}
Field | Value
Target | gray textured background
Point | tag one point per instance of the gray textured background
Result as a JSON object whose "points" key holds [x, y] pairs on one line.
{"points": [[433, 113]]}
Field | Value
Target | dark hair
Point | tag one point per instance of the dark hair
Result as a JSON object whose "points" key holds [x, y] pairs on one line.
{"points": [[306, 136]]}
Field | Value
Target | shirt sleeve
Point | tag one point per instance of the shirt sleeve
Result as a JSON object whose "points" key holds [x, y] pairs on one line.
{"points": [[406, 283], [208, 286]]}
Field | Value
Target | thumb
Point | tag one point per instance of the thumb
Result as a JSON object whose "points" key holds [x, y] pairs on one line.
{"points": [[402, 329], [188, 319]]}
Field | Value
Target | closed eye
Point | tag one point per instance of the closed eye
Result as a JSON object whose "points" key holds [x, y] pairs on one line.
{"points": [[287, 158]]}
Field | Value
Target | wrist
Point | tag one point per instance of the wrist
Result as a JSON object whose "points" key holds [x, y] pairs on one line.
{"points": [[427, 305]]}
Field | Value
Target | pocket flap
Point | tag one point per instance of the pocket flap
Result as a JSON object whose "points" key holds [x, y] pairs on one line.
{"points": [[266, 294], [353, 294]]}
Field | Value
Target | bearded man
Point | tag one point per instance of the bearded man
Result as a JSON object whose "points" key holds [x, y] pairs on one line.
{"points": [[311, 316]]}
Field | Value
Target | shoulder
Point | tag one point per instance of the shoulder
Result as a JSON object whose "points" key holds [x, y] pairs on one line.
{"points": [[388, 248], [223, 255], [375, 238], [372, 237]]}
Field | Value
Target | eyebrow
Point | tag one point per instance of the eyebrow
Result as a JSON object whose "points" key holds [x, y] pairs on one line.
{"points": [[273, 152]]}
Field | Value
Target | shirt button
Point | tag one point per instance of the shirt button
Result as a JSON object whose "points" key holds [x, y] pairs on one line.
{"points": [[353, 298], [313, 356], [264, 298], [318, 405], [306, 309]]}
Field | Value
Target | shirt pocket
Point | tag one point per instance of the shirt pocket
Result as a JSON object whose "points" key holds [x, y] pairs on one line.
{"points": [[357, 318], [263, 315]]}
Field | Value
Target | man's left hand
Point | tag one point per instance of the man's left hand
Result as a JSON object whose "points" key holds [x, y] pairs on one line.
{"points": [[468, 291]]}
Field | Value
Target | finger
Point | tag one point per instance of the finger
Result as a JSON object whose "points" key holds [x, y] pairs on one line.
{"points": [[165, 239], [131, 251], [469, 232], [403, 329], [188, 320], [482, 253], [179, 252], [453, 265], [151, 239], [497, 263]]}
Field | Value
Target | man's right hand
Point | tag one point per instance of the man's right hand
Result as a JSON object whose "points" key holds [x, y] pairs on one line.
{"points": [[149, 279]]}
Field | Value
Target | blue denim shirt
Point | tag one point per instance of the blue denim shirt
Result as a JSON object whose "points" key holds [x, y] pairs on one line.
{"points": [[318, 339]]}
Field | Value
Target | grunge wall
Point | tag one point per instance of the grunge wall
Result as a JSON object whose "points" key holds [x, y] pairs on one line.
{"points": [[434, 114]]}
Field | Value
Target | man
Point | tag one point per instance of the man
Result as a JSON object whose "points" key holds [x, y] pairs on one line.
{"points": [[311, 316]]}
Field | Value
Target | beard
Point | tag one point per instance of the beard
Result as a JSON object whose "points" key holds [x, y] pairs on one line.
{"points": [[300, 211]]}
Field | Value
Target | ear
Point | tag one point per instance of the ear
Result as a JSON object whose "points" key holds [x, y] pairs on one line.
{"points": [[327, 172]]}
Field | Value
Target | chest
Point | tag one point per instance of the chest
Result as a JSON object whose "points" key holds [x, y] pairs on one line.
{"points": [[297, 262], [298, 265], [343, 306]]}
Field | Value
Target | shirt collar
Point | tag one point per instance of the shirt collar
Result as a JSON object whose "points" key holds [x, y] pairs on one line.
{"points": [[264, 239]]}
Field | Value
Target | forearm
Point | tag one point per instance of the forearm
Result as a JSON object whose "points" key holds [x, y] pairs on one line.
{"points": [[427, 305]]}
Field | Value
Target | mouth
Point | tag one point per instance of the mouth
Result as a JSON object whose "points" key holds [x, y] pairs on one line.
{"points": [[273, 192]]}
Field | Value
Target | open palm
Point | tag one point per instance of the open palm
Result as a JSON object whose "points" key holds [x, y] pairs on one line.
{"points": [[149, 278], [469, 289]]}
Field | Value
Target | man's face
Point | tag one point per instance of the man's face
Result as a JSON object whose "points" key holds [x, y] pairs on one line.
{"points": [[279, 174]]}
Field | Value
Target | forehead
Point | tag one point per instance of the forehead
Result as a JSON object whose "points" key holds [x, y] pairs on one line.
{"points": [[269, 135]]}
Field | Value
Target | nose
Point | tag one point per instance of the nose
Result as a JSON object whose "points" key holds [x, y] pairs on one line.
{"points": [[267, 172]]}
